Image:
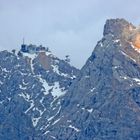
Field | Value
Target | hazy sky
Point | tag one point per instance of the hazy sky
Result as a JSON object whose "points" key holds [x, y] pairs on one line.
{"points": [[67, 26]]}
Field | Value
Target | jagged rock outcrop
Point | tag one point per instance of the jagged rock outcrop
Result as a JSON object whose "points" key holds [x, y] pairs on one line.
{"points": [[104, 101]]}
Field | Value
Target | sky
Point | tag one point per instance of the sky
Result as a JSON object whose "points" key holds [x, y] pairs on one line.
{"points": [[67, 27]]}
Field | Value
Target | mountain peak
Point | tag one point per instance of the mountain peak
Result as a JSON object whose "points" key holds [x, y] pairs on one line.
{"points": [[117, 27], [105, 96], [124, 31]]}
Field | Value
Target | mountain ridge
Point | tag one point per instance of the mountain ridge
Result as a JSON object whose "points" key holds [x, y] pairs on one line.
{"points": [[105, 97], [29, 92], [101, 101]]}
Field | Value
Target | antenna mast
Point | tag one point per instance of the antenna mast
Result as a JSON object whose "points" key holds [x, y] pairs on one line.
{"points": [[23, 41]]}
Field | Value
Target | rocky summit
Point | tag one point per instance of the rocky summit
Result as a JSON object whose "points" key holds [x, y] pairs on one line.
{"points": [[45, 98]]}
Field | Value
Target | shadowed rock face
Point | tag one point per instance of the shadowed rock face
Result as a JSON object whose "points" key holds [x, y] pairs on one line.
{"points": [[104, 101]]}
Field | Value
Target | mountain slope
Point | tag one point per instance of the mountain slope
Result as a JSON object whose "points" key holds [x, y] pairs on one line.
{"points": [[103, 103], [44, 98], [29, 93]]}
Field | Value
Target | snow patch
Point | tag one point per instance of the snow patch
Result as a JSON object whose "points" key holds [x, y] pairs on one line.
{"points": [[56, 121], [117, 40], [21, 87], [92, 89], [124, 77], [57, 91], [31, 106], [69, 121], [46, 132], [90, 110], [5, 70], [78, 105], [29, 55], [45, 85], [73, 127], [137, 80], [49, 119], [56, 70], [35, 121], [116, 67], [25, 96], [53, 137], [128, 56], [1, 82]]}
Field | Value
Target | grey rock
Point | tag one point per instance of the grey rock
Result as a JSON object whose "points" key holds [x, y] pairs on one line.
{"points": [[103, 103], [26, 103]]}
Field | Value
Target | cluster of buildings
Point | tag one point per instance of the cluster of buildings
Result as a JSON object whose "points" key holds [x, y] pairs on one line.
{"points": [[33, 48]]}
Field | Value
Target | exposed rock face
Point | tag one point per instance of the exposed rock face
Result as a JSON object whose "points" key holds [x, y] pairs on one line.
{"points": [[123, 30], [40, 100], [104, 101], [44, 60], [118, 28], [29, 94]]}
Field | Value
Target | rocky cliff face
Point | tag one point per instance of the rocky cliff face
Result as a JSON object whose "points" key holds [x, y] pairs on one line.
{"points": [[40, 100], [104, 101], [30, 88]]}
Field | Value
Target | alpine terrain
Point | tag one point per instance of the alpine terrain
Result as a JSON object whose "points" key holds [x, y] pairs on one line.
{"points": [[45, 98], [103, 103], [31, 83]]}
